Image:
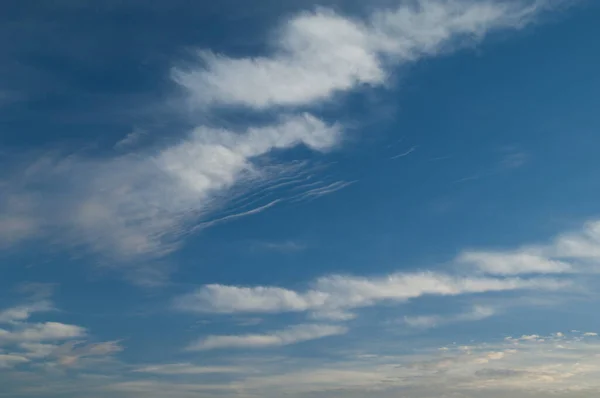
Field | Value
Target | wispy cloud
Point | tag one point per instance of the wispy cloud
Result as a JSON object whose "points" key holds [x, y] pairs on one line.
{"points": [[186, 369], [291, 335], [286, 246], [120, 207], [552, 364], [321, 191], [405, 153], [477, 313], [131, 140], [23, 312], [513, 159], [513, 263], [570, 252]]}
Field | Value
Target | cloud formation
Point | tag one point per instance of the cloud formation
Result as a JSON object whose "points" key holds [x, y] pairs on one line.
{"points": [[45, 342], [291, 335], [317, 54], [186, 369], [477, 313], [560, 364], [336, 295], [139, 205], [571, 252]]}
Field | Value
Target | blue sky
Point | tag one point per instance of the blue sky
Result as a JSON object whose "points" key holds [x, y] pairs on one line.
{"points": [[296, 198]]}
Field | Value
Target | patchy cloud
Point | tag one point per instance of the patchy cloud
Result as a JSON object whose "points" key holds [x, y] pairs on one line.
{"points": [[45, 342]]}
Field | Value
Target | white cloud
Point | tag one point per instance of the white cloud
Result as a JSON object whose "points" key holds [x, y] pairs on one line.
{"points": [[138, 205], [568, 253], [513, 263], [477, 313], [579, 245], [186, 369], [335, 294], [47, 331], [131, 140], [21, 331], [479, 370], [317, 54], [37, 350], [291, 335], [23, 312], [45, 343]]}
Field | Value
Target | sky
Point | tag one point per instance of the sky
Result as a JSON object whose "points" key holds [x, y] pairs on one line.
{"points": [[299, 199]]}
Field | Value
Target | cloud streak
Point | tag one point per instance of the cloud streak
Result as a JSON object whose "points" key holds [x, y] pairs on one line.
{"points": [[338, 294], [291, 335], [477, 313], [334, 297], [567, 253]]}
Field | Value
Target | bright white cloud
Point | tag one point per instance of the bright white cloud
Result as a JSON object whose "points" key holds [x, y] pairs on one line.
{"points": [[317, 54], [291, 335], [335, 294]]}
